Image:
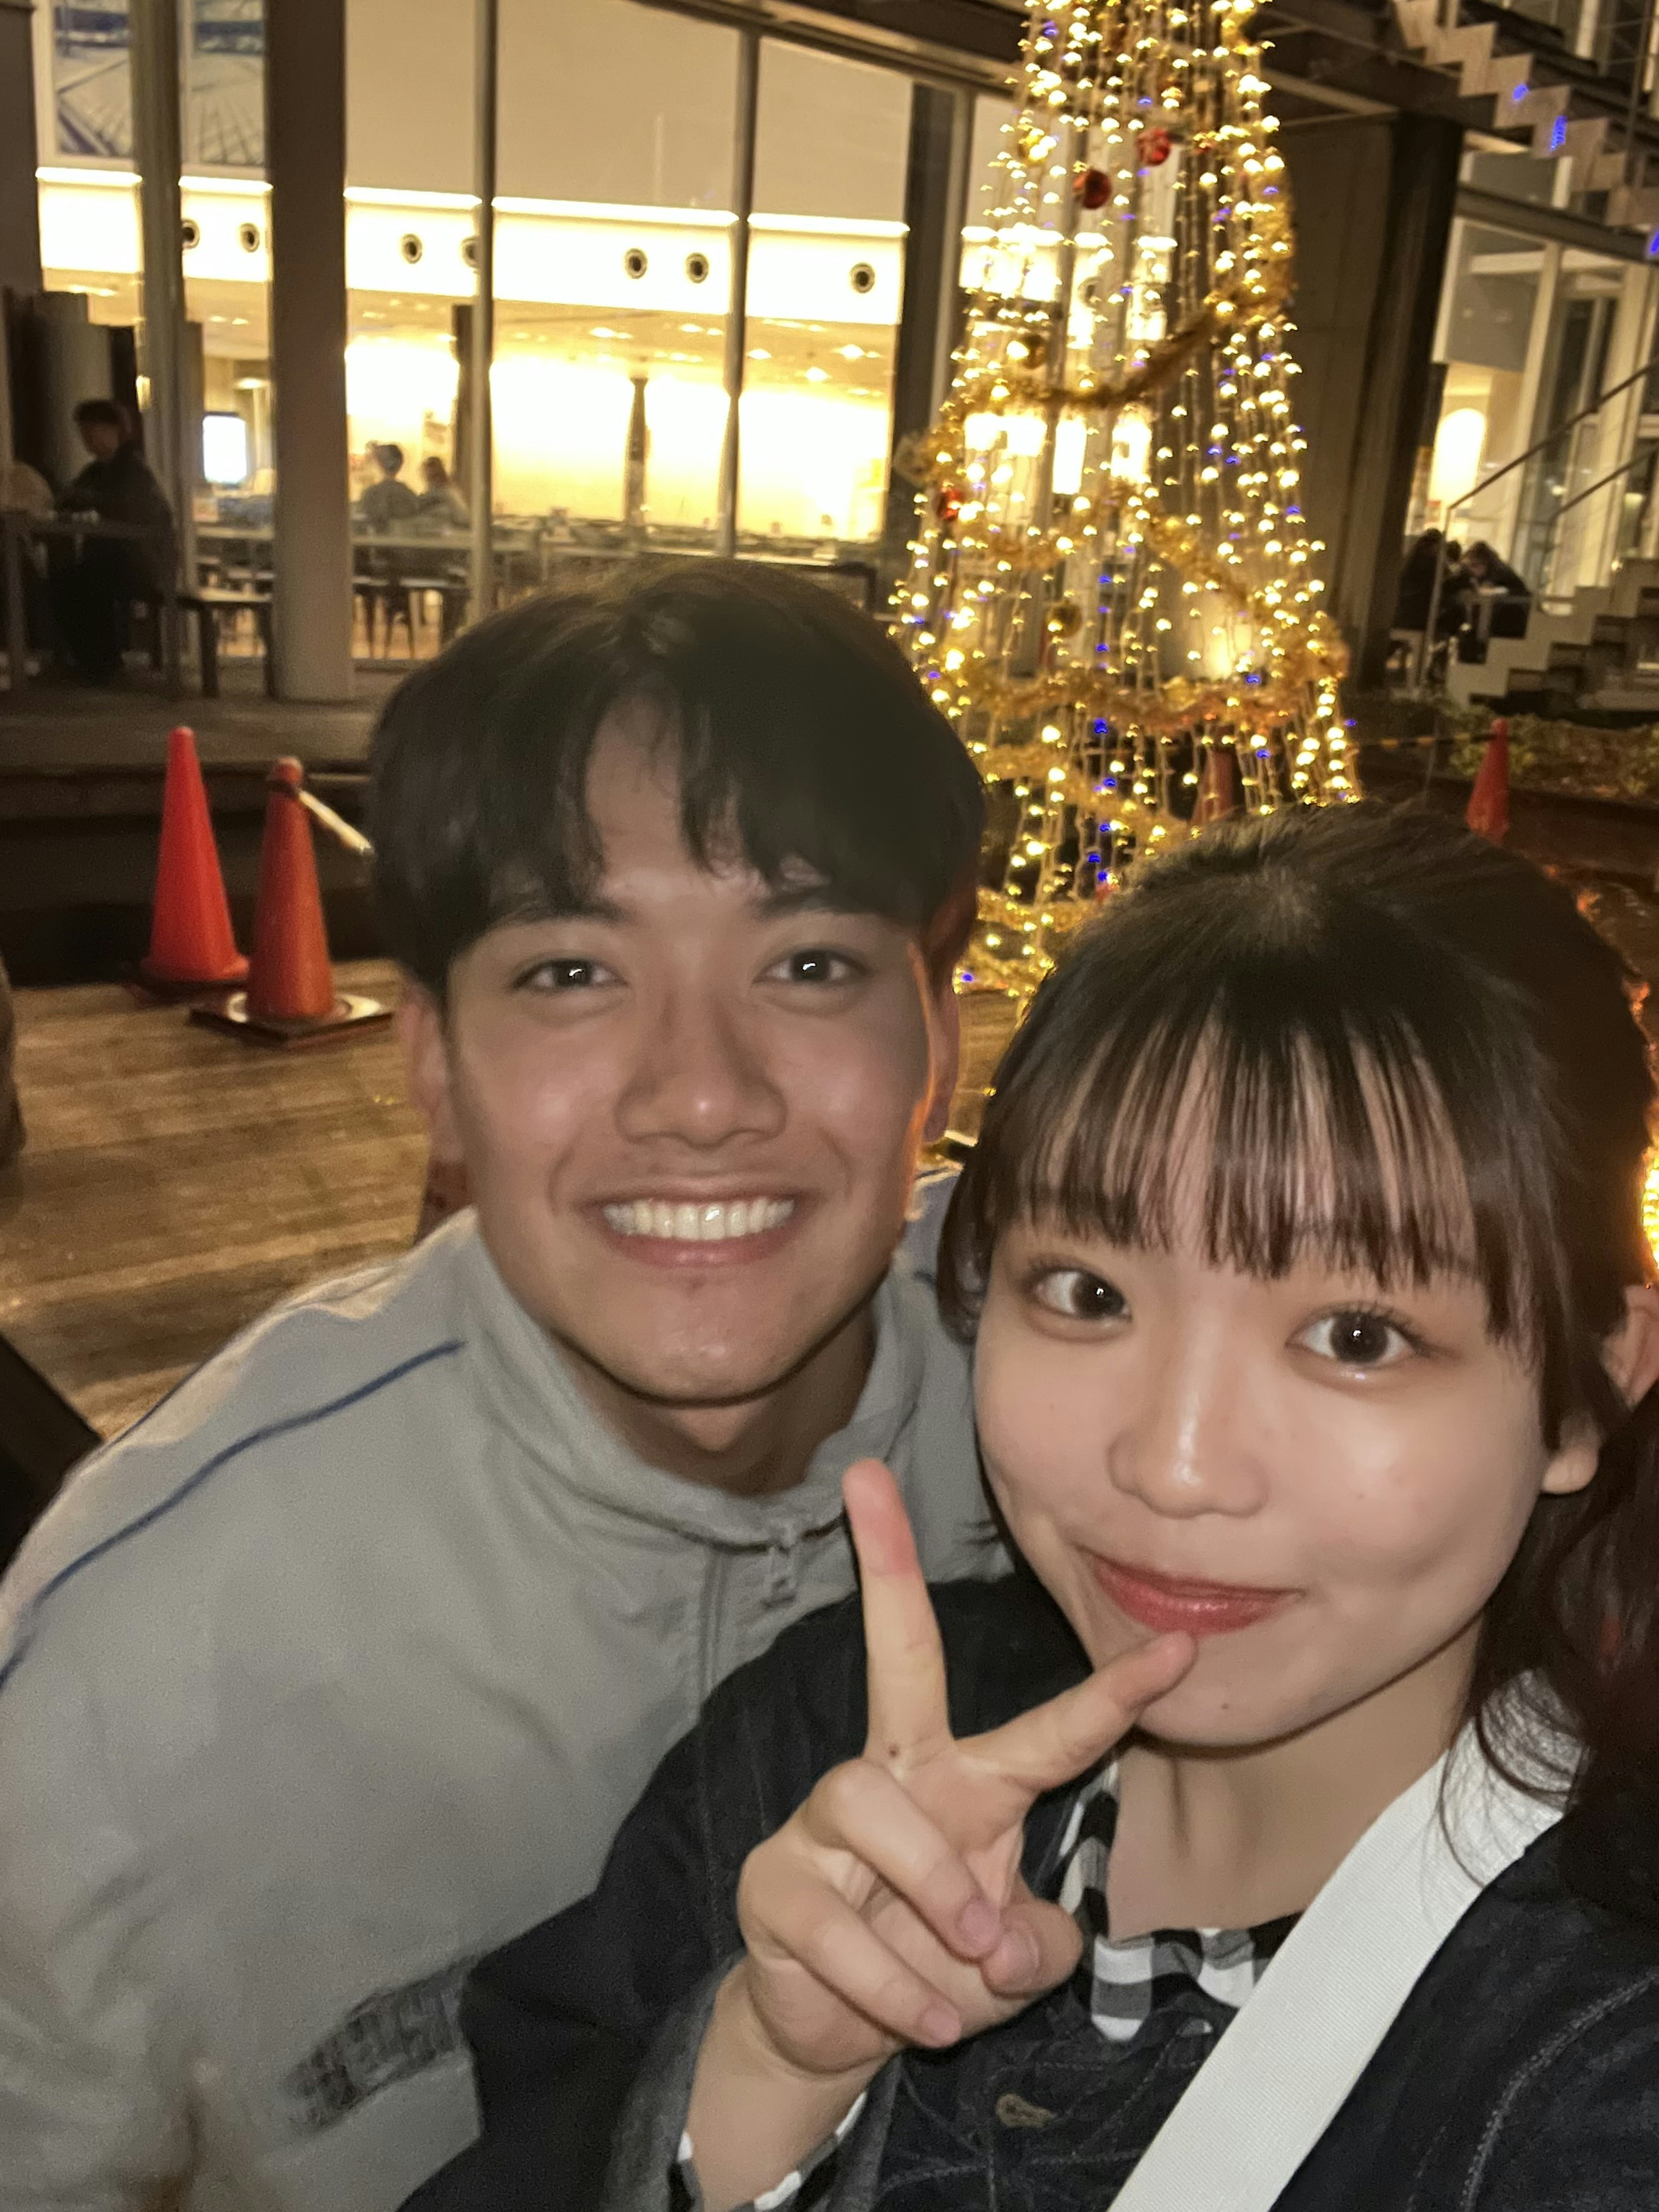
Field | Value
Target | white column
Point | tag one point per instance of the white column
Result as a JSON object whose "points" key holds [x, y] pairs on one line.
{"points": [[305, 160], [736, 304], [481, 431], [158, 149]]}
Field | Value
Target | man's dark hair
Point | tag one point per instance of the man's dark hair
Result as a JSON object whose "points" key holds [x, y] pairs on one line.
{"points": [[108, 411], [391, 458], [798, 731]]}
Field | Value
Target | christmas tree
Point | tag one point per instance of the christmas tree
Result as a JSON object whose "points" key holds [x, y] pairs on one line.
{"points": [[1114, 596]]}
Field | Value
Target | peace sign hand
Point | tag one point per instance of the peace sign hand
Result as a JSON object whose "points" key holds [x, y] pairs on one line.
{"points": [[891, 1909]]}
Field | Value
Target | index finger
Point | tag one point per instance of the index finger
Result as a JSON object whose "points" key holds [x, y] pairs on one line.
{"points": [[1056, 1742], [909, 1713]]}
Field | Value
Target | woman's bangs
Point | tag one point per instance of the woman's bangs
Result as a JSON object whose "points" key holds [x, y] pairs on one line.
{"points": [[1279, 1130]]}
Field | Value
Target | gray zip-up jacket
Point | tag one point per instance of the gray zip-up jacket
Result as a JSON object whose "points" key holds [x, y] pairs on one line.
{"points": [[337, 1671]]}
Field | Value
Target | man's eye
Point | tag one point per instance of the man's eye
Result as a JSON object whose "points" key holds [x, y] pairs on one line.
{"points": [[1355, 1338], [1078, 1295], [815, 966], [563, 975]]}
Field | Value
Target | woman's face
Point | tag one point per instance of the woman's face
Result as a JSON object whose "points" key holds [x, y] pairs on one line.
{"points": [[1322, 1480]]}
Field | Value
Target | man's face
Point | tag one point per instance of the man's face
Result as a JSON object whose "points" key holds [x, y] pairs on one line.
{"points": [[689, 1118], [101, 440]]}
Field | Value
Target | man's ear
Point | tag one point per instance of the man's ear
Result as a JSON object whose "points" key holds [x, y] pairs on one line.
{"points": [[1630, 1356], [1632, 1350], [425, 1041], [945, 1021]]}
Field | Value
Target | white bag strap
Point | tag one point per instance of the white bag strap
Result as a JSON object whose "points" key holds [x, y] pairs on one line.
{"points": [[1276, 2077]]}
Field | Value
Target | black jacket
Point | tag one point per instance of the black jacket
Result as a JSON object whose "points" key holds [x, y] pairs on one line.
{"points": [[124, 488], [1521, 2075]]}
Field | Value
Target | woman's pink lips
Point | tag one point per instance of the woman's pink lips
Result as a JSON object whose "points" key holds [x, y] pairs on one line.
{"points": [[1161, 1603]]}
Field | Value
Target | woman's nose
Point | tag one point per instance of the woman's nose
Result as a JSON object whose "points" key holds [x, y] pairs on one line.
{"points": [[1188, 1445]]}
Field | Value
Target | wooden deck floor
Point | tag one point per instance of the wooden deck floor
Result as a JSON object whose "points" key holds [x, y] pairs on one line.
{"points": [[176, 1182]]}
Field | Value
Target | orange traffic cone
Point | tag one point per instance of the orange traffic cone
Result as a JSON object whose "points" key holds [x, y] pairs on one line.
{"points": [[1488, 810], [290, 997], [190, 945], [1217, 785]]}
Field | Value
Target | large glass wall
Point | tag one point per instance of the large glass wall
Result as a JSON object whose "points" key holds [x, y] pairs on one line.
{"points": [[614, 230], [1533, 332]]}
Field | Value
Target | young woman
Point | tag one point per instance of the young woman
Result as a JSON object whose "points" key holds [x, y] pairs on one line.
{"points": [[1285, 1833]]}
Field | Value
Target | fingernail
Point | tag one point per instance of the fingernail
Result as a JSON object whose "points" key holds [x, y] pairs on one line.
{"points": [[981, 1924], [940, 2025], [1020, 1958]]}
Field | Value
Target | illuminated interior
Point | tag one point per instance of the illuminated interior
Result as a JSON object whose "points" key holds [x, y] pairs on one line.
{"points": [[598, 307]]}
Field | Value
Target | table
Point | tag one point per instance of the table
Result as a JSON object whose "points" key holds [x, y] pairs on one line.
{"points": [[17, 528]]}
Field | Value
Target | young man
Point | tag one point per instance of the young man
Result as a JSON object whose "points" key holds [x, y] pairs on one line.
{"points": [[388, 502], [344, 1667], [91, 590]]}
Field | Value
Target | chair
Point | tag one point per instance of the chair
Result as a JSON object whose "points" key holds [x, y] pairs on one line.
{"points": [[206, 605]]}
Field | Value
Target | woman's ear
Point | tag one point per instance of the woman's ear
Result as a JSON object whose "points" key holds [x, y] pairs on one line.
{"points": [[1630, 1356]]}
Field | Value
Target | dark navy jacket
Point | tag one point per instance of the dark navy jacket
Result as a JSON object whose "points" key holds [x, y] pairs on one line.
{"points": [[1521, 2075]]}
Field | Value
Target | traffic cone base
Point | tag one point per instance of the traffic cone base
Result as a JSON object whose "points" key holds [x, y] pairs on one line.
{"points": [[352, 1013], [290, 997]]}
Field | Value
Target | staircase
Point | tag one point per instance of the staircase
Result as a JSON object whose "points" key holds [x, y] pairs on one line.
{"points": [[1502, 56], [1602, 654]]}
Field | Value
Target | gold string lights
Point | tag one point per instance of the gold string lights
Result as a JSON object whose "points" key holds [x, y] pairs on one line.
{"points": [[1114, 597]]}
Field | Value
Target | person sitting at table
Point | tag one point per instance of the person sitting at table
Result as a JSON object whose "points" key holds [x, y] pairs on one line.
{"points": [[93, 588], [1416, 586], [441, 506], [391, 501], [1487, 573]]}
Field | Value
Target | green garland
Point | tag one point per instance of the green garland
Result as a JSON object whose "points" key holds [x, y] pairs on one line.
{"points": [[1566, 758]]}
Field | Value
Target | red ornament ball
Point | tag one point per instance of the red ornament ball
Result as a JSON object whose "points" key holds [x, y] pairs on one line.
{"points": [[947, 503], [1155, 146], [1093, 188]]}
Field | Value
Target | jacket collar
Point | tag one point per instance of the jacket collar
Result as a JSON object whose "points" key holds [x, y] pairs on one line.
{"points": [[527, 1387]]}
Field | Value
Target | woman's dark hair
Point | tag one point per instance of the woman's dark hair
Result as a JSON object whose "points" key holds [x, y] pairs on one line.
{"points": [[798, 732], [1380, 1039]]}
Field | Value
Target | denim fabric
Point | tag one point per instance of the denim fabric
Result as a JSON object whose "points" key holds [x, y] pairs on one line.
{"points": [[1522, 2075]]}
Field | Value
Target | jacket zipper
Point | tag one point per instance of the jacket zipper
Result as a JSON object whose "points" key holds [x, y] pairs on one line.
{"points": [[713, 1597]]}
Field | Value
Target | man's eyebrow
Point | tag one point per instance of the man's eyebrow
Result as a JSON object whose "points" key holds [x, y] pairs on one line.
{"points": [[583, 909], [809, 898]]}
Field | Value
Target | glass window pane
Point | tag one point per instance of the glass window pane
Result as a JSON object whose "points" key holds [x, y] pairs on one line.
{"points": [[825, 280], [612, 272], [1492, 284]]}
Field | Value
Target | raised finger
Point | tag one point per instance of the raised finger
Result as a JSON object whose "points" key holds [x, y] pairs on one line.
{"points": [[862, 1808], [1058, 1741], [908, 1714], [818, 1930]]}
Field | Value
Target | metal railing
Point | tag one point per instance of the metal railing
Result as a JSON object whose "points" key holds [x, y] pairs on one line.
{"points": [[1425, 651], [1643, 453]]}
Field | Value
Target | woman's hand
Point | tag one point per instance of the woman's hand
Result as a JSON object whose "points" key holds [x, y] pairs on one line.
{"points": [[890, 1910]]}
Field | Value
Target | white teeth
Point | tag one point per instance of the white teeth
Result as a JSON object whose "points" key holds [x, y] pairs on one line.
{"points": [[714, 1224]]}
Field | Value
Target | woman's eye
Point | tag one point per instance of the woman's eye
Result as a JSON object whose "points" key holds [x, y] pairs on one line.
{"points": [[1357, 1339], [1078, 1295], [817, 964]]}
